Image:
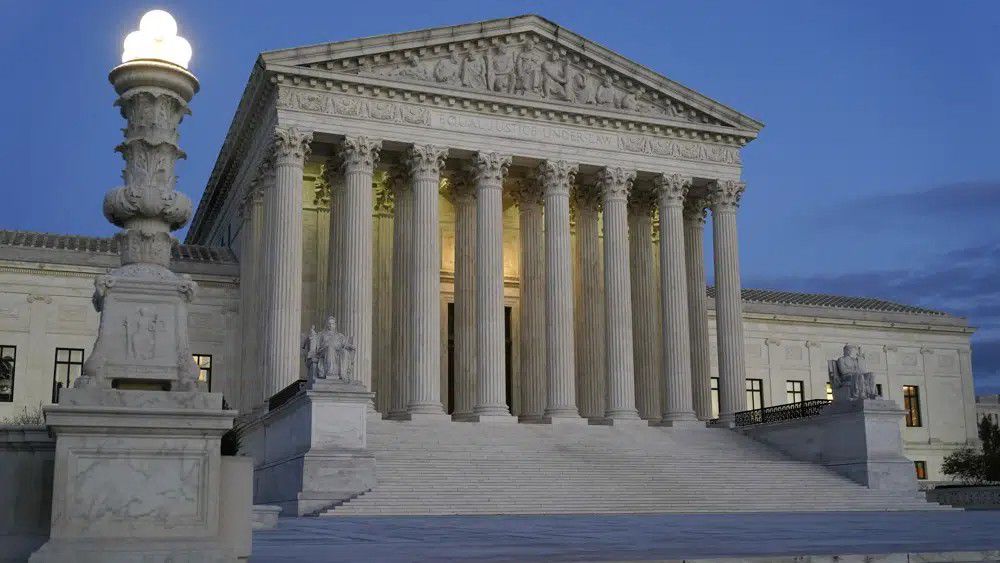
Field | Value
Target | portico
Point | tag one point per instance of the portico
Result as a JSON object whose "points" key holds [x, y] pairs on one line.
{"points": [[578, 184]]}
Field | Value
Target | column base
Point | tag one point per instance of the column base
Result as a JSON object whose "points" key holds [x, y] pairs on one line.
{"points": [[571, 420], [685, 423], [680, 419], [531, 419], [427, 408], [621, 422], [491, 410], [491, 418], [426, 417], [624, 414], [463, 417]]}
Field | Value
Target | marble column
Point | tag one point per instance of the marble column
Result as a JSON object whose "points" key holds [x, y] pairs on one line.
{"points": [[677, 405], [646, 329], [334, 179], [252, 211], [488, 171], [590, 303], [725, 199], [556, 178], [358, 156], [283, 299], [533, 387], [424, 163], [463, 196], [615, 184], [694, 260], [402, 225]]}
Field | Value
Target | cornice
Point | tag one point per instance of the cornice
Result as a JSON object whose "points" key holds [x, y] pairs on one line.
{"points": [[501, 105]]}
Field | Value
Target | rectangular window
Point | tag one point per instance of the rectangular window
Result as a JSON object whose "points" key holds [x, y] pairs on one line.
{"points": [[921, 467], [911, 404], [68, 367], [715, 397], [755, 394], [8, 361], [829, 391], [204, 363], [878, 389], [794, 391]]}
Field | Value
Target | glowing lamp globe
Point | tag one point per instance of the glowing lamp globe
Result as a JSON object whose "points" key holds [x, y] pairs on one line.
{"points": [[157, 39]]}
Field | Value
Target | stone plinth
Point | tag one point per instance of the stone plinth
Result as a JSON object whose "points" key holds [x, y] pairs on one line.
{"points": [[310, 453], [138, 477], [858, 439], [26, 458]]}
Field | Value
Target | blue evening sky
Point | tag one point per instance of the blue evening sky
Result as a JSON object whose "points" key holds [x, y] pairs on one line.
{"points": [[878, 171]]}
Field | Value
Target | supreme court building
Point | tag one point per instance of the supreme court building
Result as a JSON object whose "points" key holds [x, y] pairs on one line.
{"points": [[509, 222]]}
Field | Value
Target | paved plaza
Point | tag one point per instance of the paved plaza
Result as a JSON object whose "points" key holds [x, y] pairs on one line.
{"points": [[626, 537]]}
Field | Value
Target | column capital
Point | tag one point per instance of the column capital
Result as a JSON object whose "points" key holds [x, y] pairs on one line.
{"points": [[396, 176], [696, 208], [556, 176], [425, 160], [525, 191], [615, 182], [725, 194], [586, 196], [672, 188], [458, 186], [359, 152], [382, 203], [642, 201], [291, 146], [489, 169]]}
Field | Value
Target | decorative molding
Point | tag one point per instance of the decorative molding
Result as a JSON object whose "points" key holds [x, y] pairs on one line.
{"points": [[696, 208], [359, 152], [488, 169], [615, 182], [38, 298], [291, 146], [725, 194], [672, 188], [425, 161], [525, 191], [556, 177]]}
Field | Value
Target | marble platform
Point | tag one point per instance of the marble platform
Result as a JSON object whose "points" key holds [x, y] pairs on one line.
{"points": [[884, 537]]}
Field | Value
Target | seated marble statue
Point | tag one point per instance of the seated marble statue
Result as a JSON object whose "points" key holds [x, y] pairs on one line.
{"points": [[848, 372], [329, 354]]}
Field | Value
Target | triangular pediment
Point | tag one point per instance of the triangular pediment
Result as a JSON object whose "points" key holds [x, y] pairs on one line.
{"points": [[524, 58]]}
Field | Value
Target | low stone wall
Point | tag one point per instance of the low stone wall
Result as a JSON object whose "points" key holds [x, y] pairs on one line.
{"points": [[986, 497], [27, 458]]}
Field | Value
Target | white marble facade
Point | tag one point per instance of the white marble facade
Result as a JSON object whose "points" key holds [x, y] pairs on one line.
{"points": [[505, 172]]}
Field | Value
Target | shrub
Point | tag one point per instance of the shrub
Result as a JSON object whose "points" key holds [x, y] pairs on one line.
{"points": [[977, 466]]}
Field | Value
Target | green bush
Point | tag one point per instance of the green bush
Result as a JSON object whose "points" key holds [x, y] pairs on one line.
{"points": [[977, 466]]}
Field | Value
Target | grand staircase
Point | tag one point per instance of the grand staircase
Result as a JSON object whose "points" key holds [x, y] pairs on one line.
{"points": [[436, 468]]}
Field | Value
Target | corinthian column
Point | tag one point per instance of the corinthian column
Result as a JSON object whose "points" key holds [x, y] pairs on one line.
{"points": [[424, 163], [283, 318], [556, 178], [333, 177], [264, 279], [250, 241], [725, 199], [529, 201], [488, 172], [463, 196], [646, 343], [615, 184], [694, 260], [402, 227], [590, 309], [677, 403], [358, 156]]}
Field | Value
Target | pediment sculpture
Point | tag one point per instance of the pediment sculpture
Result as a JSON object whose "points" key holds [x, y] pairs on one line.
{"points": [[849, 377], [329, 354], [530, 69]]}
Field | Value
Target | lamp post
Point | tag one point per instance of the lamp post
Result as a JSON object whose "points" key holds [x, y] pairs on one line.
{"points": [[142, 340]]}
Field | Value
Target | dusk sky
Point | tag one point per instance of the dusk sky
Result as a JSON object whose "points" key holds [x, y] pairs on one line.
{"points": [[877, 172]]}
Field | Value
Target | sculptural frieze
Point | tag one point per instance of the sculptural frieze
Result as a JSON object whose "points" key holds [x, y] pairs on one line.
{"points": [[849, 375], [329, 354], [141, 329]]}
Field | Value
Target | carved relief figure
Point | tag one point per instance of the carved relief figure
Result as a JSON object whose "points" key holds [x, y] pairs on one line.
{"points": [[474, 72], [329, 354], [580, 87], [501, 70], [605, 96], [554, 78], [447, 70], [413, 69], [850, 371], [140, 334], [529, 71]]}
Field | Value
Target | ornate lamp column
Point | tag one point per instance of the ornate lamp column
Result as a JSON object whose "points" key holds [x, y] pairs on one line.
{"points": [[283, 297], [615, 185], [358, 156], [677, 403], [725, 198], [463, 197], [646, 325], [556, 178], [529, 200], [590, 370], [694, 259], [425, 163], [488, 172]]}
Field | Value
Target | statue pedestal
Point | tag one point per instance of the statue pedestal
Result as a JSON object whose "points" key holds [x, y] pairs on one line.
{"points": [[138, 477], [310, 453], [858, 439]]}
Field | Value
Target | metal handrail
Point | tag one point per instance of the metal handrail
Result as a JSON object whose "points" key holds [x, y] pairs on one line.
{"points": [[790, 411]]}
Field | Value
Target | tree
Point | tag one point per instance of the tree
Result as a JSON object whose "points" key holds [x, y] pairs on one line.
{"points": [[976, 466]]}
